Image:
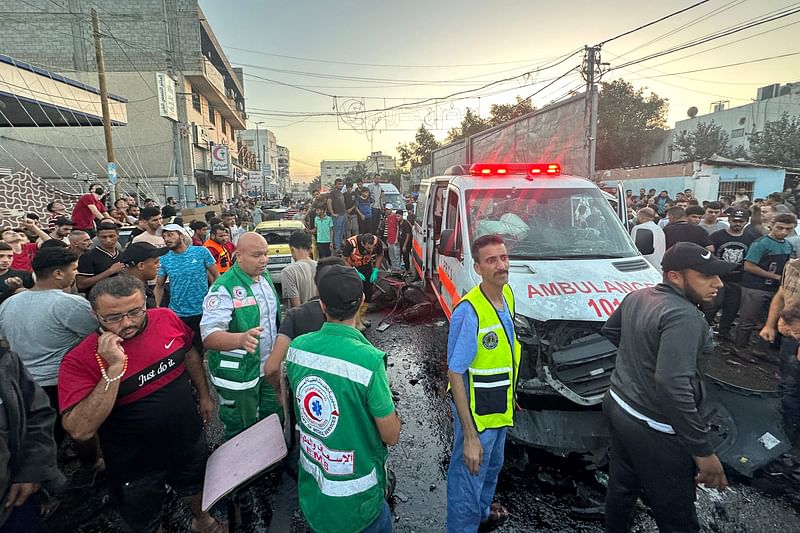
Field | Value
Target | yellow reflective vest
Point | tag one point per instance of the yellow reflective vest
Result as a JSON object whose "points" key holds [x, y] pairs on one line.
{"points": [[494, 371]]}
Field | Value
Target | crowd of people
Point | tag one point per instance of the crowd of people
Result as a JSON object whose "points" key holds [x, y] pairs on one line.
{"points": [[131, 350], [759, 236]]}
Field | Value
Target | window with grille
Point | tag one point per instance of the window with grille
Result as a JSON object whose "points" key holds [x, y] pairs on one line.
{"points": [[211, 115], [196, 100], [729, 188], [737, 133]]}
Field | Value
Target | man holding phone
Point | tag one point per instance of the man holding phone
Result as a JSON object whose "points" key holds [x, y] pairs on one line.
{"points": [[90, 207]]}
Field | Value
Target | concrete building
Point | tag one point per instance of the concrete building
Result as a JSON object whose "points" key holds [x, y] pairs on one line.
{"points": [[139, 46], [738, 122], [283, 169], [330, 169], [265, 145]]}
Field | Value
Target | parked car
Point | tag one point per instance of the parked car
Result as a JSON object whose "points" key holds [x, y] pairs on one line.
{"points": [[277, 233]]}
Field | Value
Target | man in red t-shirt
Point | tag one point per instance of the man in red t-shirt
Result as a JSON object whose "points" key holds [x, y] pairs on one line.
{"points": [[24, 250], [90, 207], [127, 383]]}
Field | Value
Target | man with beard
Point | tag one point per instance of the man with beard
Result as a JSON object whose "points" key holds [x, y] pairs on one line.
{"points": [[151, 220], [730, 244], [61, 230], [128, 383], [659, 441], [189, 269], [142, 261], [221, 248], [102, 261]]}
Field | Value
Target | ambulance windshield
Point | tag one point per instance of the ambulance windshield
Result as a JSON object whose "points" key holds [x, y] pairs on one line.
{"points": [[549, 223]]}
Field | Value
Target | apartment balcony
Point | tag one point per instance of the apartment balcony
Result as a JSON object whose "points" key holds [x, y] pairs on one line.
{"points": [[210, 82]]}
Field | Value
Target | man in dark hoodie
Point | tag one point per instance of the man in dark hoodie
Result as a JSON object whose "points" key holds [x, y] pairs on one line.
{"points": [[27, 448], [659, 440]]}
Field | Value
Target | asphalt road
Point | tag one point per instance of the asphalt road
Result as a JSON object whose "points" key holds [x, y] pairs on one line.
{"points": [[543, 493]]}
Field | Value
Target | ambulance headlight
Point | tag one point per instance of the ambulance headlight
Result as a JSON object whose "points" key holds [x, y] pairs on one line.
{"points": [[526, 333]]}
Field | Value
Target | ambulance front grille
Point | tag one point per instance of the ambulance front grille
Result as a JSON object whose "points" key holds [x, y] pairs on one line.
{"points": [[583, 361]]}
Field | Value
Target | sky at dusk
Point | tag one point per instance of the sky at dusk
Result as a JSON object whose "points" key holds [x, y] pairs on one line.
{"points": [[348, 56]]}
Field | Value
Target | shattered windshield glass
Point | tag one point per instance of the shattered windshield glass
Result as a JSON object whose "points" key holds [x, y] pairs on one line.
{"points": [[545, 223]]}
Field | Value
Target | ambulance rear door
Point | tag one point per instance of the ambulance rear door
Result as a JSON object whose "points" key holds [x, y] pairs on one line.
{"points": [[450, 278]]}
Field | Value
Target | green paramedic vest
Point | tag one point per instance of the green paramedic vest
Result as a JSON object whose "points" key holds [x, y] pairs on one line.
{"points": [[342, 463], [494, 371], [236, 366]]}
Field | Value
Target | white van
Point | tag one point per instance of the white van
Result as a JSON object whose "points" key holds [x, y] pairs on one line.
{"points": [[572, 262], [392, 196]]}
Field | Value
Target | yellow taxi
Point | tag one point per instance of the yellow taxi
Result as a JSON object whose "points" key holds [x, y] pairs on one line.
{"points": [[277, 233]]}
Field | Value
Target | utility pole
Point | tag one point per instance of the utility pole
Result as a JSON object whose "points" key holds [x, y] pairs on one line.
{"points": [[101, 82], [176, 134], [590, 72], [258, 161]]}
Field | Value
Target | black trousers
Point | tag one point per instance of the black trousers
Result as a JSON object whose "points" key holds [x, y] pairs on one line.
{"points": [[647, 463], [789, 386], [727, 300]]}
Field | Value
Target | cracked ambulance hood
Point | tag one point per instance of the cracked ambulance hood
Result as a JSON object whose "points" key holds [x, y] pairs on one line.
{"points": [[577, 289]]}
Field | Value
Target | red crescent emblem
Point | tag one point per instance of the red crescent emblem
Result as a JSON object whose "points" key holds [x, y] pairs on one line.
{"points": [[310, 396]]}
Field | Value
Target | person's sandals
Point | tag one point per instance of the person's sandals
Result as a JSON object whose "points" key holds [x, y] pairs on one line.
{"points": [[213, 527], [497, 516]]}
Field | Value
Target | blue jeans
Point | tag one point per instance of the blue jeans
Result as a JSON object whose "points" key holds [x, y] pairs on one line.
{"points": [[469, 498], [382, 524], [338, 231]]}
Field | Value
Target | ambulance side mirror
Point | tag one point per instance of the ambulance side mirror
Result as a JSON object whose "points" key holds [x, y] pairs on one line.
{"points": [[449, 244]]}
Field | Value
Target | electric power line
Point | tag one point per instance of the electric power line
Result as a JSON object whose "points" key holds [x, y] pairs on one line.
{"points": [[643, 26]]}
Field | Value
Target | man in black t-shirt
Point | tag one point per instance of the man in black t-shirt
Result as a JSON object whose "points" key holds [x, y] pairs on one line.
{"points": [[731, 245], [101, 262], [11, 280], [680, 230]]}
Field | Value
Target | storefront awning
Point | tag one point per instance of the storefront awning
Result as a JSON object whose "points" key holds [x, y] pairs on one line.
{"points": [[34, 97]]}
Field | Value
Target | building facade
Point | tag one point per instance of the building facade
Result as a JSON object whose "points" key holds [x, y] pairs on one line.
{"points": [[376, 162], [740, 122], [140, 49], [709, 179]]}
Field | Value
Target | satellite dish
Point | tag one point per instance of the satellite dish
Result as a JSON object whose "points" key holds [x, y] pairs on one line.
{"points": [[692, 112]]}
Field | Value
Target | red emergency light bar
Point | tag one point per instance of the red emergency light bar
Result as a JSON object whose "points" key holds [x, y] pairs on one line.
{"points": [[525, 169]]}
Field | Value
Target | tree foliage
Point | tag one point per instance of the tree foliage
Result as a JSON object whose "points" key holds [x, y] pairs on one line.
{"points": [[314, 184], [706, 140], [357, 172], [779, 143], [630, 124], [471, 124], [418, 152], [500, 113]]}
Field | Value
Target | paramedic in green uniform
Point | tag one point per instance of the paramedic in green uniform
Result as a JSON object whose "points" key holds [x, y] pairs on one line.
{"points": [[345, 413], [241, 313]]}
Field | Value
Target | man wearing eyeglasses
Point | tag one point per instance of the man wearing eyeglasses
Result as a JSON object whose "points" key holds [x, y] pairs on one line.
{"points": [[127, 383]]}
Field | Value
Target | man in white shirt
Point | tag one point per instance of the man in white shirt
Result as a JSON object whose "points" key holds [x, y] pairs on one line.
{"points": [[229, 221], [649, 237], [376, 194]]}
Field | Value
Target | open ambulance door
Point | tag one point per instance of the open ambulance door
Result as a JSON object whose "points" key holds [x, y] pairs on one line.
{"points": [[622, 207]]}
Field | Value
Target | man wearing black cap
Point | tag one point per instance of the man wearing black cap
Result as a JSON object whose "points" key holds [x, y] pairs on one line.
{"points": [[730, 244], [659, 440], [345, 413], [142, 260]]}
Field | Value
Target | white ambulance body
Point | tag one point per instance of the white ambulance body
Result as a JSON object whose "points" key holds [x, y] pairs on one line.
{"points": [[571, 264]]}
